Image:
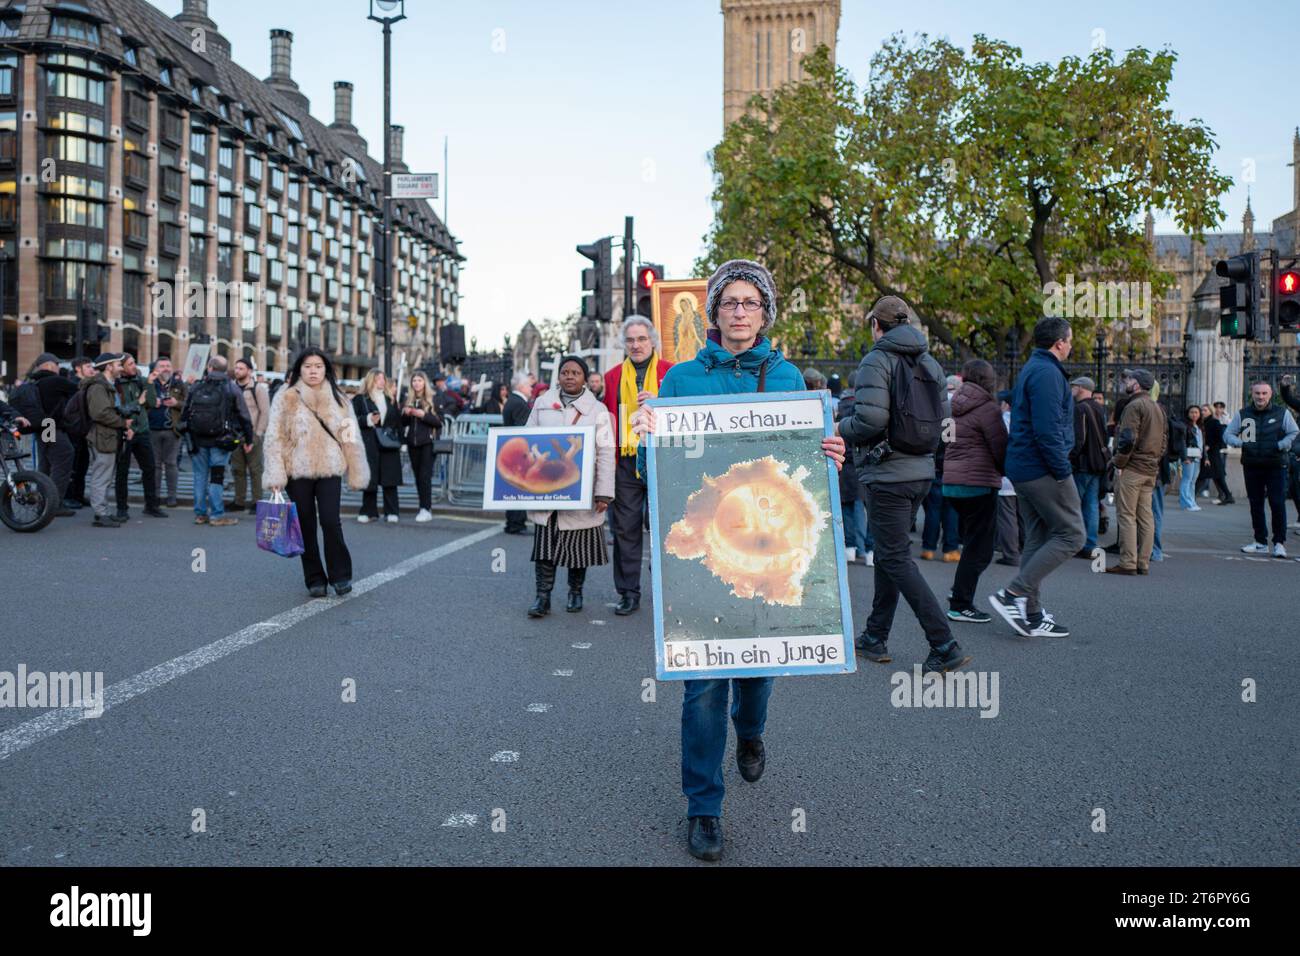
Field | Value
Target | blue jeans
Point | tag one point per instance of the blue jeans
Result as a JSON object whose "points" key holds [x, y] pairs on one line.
{"points": [[1088, 486], [1158, 513], [1187, 487], [856, 532], [938, 512], [704, 734], [208, 466]]}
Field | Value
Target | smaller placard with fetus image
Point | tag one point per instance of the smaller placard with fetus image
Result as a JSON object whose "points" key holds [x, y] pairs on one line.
{"points": [[540, 467]]}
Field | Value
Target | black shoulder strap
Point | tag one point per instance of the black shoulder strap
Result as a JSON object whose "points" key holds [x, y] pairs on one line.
{"points": [[322, 423], [762, 377]]}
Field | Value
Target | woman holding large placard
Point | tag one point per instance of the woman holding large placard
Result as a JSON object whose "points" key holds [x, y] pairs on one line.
{"points": [[574, 539]]}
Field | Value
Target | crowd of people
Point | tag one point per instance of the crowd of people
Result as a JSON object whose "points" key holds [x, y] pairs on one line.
{"points": [[1034, 472]]}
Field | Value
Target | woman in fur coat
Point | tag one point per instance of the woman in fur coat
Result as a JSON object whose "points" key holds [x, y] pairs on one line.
{"points": [[312, 441]]}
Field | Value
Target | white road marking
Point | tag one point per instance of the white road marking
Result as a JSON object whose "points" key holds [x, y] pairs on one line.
{"points": [[505, 756], [562, 673], [55, 721], [597, 622], [461, 820], [581, 646], [538, 708]]}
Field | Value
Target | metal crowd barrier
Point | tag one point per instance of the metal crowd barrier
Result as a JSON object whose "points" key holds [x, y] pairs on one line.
{"points": [[468, 458]]}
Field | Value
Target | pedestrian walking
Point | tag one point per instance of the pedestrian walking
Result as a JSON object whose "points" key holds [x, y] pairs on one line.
{"points": [[1038, 464], [214, 421], [108, 430], [1192, 456], [628, 385], [422, 427], [83, 369], [137, 397], [857, 530], [973, 466], [381, 423], [1008, 509], [737, 357], [1141, 440], [313, 442], [1264, 432], [1089, 458], [898, 411], [514, 414], [246, 466], [572, 539], [169, 398], [56, 450]]}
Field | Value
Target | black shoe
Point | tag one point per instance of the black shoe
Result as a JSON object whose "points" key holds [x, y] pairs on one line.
{"points": [[545, 581], [342, 588], [511, 530], [969, 615], [319, 590], [1103, 525], [1012, 607], [574, 603], [104, 521], [1009, 562], [705, 839], [949, 660], [626, 605], [119, 518], [751, 758], [540, 607], [235, 506], [63, 513], [173, 503], [72, 504], [156, 513], [1085, 553], [1226, 501], [122, 516], [872, 649]]}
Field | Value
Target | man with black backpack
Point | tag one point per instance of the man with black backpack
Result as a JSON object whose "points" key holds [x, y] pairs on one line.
{"points": [[41, 399], [215, 420], [895, 429], [1038, 464]]}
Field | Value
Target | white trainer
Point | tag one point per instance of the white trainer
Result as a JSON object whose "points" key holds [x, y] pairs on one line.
{"points": [[391, 519], [363, 519], [1279, 551], [871, 559], [424, 515], [1255, 548], [850, 555]]}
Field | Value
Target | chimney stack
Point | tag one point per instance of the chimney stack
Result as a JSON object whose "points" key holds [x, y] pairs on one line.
{"points": [[342, 103], [195, 8], [196, 22], [281, 77]]}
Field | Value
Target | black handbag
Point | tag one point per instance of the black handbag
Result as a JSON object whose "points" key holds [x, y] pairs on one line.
{"points": [[386, 436]]}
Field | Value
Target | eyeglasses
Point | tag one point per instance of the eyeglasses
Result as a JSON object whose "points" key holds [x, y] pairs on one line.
{"points": [[749, 305]]}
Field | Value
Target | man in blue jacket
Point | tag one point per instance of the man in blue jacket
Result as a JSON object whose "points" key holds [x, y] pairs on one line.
{"points": [[740, 303], [1038, 464]]}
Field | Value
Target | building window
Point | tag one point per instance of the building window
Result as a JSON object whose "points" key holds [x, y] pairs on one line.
{"points": [[8, 201], [253, 218], [171, 183], [253, 166], [8, 70], [74, 87], [165, 76], [276, 272], [137, 167], [198, 225], [198, 142], [226, 207], [9, 27], [252, 265], [277, 179], [277, 227], [173, 127], [226, 156], [198, 195], [76, 123], [73, 29], [63, 278], [129, 55], [137, 227], [74, 149], [74, 212]]}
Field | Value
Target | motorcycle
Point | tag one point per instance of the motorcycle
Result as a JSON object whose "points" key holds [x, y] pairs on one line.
{"points": [[28, 499]]}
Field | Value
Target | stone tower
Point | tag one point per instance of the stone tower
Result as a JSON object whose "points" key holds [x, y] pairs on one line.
{"points": [[1248, 228], [764, 42]]}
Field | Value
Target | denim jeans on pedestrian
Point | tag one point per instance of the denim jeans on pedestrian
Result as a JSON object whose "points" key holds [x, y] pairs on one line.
{"points": [[1187, 487], [1088, 486], [854, 524], [1158, 515], [208, 466], [939, 514], [704, 734]]}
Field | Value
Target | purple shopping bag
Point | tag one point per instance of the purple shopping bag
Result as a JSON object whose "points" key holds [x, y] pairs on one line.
{"points": [[278, 530]]}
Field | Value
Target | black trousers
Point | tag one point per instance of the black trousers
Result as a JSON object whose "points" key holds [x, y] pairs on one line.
{"points": [[370, 501], [80, 465], [1216, 472], [977, 519], [141, 446], [1263, 483], [891, 508], [56, 459], [628, 519], [422, 466], [318, 502]]}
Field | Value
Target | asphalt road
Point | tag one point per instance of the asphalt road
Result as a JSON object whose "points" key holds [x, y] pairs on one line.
{"points": [[480, 737]]}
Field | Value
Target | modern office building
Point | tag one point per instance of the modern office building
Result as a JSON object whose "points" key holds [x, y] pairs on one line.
{"points": [[146, 175]]}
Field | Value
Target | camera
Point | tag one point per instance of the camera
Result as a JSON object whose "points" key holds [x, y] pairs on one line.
{"points": [[131, 410], [879, 452]]}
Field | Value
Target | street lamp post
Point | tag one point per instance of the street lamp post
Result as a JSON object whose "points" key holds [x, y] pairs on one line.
{"points": [[388, 7], [1099, 352]]}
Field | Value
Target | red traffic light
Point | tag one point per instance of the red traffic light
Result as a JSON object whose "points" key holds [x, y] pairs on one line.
{"points": [[1288, 283], [647, 276]]}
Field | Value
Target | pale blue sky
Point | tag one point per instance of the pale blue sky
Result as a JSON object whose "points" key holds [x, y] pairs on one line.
{"points": [[578, 112]]}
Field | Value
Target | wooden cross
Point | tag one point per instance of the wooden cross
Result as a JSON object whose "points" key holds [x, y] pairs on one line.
{"points": [[554, 366], [480, 389]]}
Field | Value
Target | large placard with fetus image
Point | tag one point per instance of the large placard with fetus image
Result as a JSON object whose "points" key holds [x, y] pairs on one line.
{"points": [[747, 538], [540, 468]]}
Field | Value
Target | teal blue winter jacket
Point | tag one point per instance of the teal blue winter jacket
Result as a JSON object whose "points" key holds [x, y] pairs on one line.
{"points": [[715, 371]]}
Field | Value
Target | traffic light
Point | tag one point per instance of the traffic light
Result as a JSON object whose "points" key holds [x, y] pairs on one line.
{"points": [[599, 281], [89, 331], [646, 277], [1288, 300], [1239, 299]]}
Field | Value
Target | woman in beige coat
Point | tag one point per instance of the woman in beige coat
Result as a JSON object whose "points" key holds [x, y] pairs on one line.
{"points": [[574, 539], [312, 441]]}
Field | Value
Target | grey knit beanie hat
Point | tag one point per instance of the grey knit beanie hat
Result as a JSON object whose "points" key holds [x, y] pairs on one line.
{"points": [[742, 270]]}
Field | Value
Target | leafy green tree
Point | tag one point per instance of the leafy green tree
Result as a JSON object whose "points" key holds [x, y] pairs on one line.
{"points": [[964, 182]]}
